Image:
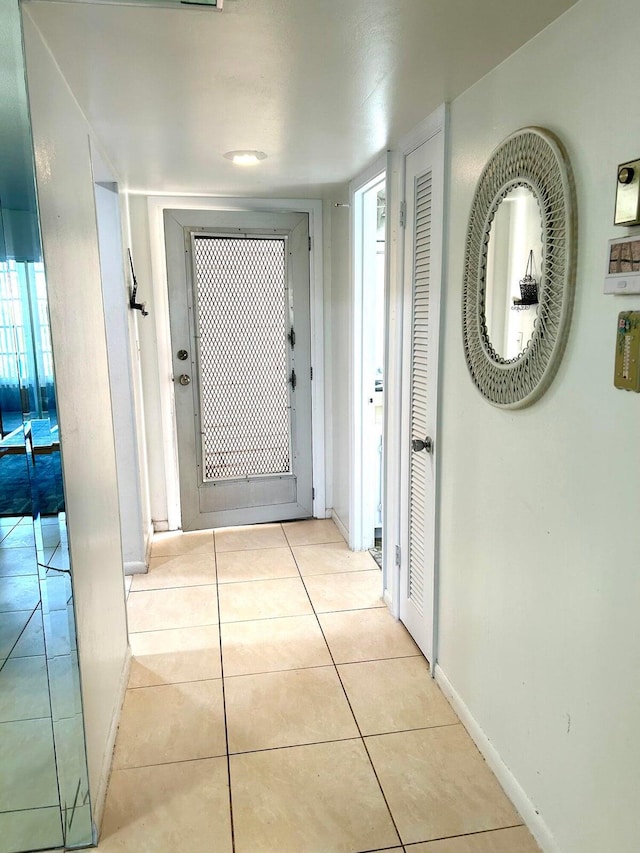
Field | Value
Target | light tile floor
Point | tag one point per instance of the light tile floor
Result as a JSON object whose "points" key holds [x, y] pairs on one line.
{"points": [[275, 706]]}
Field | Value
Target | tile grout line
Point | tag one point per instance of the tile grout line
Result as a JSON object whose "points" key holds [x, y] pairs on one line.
{"points": [[50, 681], [224, 701], [466, 834], [30, 809], [381, 849], [304, 668], [339, 739], [175, 628], [298, 615], [19, 637], [384, 797], [273, 618], [177, 586]]}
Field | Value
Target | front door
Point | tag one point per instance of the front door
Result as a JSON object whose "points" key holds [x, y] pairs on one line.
{"points": [[240, 335], [422, 264]]}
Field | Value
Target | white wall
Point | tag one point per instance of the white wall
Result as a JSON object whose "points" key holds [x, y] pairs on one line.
{"points": [[339, 351], [121, 374], [70, 243], [150, 378], [540, 531], [135, 321]]}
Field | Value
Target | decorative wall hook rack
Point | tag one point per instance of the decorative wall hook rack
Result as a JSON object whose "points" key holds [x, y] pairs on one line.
{"points": [[136, 306]]}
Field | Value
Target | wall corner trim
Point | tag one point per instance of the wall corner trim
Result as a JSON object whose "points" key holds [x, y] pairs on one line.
{"points": [[340, 526], [148, 543], [534, 821], [98, 803]]}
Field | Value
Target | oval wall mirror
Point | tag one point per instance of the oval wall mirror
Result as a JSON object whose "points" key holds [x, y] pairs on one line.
{"points": [[519, 269]]}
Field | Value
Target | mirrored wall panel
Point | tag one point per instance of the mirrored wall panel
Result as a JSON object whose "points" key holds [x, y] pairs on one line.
{"points": [[44, 796]]}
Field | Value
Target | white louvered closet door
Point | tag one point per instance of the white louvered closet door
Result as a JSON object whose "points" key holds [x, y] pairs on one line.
{"points": [[423, 262]]}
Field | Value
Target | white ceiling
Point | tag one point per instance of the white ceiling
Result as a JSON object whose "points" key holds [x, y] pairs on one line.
{"points": [[322, 86]]}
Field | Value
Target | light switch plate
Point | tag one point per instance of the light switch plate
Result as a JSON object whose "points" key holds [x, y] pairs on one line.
{"points": [[628, 194]]}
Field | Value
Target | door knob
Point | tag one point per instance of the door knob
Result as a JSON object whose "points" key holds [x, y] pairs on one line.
{"points": [[418, 444], [184, 379]]}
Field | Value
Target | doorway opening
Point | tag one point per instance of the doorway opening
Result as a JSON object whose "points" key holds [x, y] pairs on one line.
{"points": [[120, 346], [369, 221]]}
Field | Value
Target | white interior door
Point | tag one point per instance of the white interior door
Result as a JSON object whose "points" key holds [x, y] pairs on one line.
{"points": [[240, 333], [422, 283]]}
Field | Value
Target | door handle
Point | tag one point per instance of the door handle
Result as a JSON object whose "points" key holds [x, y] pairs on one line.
{"points": [[184, 379], [418, 444]]}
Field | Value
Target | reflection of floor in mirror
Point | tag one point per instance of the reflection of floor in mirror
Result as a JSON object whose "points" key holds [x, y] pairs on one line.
{"points": [[24, 479], [38, 683]]}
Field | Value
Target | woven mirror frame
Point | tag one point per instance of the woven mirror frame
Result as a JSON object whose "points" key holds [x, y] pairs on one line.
{"points": [[531, 158]]}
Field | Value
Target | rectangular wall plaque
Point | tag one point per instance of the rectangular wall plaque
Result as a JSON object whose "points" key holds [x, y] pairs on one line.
{"points": [[627, 369]]}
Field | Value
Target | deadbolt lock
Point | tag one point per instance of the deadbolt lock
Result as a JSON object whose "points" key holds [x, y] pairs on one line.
{"points": [[183, 355]]}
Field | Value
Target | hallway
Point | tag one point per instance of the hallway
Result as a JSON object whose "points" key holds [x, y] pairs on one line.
{"points": [[264, 655]]}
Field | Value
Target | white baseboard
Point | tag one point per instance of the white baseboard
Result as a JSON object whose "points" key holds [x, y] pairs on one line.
{"points": [[148, 542], [512, 787], [340, 525], [98, 802], [161, 526], [136, 567]]}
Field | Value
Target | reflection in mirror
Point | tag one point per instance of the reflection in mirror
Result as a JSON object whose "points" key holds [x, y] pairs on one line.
{"points": [[44, 797], [514, 264]]}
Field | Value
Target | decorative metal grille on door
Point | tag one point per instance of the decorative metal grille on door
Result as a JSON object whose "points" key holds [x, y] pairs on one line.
{"points": [[241, 323], [419, 387]]}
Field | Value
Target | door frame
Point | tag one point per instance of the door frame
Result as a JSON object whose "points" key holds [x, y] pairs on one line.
{"points": [[358, 540], [156, 205], [120, 335], [435, 123]]}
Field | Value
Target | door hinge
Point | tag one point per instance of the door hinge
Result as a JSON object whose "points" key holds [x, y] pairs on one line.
{"points": [[293, 379], [313, 494], [398, 555], [309, 243], [292, 338], [403, 214], [311, 373]]}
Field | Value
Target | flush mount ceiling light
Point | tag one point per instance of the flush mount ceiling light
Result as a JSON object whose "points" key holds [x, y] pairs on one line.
{"points": [[245, 157]]}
